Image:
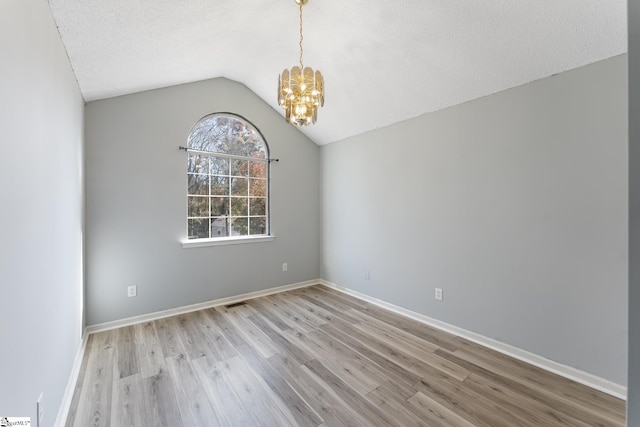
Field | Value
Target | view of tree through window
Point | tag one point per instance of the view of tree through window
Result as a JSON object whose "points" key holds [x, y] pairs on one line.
{"points": [[227, 178]]}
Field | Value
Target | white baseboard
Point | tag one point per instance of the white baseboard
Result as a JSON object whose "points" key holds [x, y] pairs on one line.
{"points": [[194, 307], [523, 355], [65, 405]]}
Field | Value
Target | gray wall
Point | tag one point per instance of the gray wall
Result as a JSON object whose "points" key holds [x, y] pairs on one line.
{"points": [[136, 204], [515, 204], [41, 126], [633, 397]]}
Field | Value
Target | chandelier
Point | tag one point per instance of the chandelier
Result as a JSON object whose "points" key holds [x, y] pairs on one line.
{"points": [[300, 90]]}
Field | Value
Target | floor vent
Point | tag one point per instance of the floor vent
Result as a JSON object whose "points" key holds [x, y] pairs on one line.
{"points": [[235, 304]]}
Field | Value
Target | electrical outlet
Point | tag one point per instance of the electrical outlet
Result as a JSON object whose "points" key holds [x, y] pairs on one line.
{"points": [[40, 410], [439, 294], [132, 291], [367, 275], [285, 267]]}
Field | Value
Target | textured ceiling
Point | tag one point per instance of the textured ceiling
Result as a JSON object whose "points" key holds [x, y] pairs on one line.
{"points": [[383, 61]]}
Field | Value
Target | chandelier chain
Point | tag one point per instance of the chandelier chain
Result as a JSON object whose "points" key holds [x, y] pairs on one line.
{"points": [[301, 37]]}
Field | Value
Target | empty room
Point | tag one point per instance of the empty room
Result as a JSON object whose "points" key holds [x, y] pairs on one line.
{"points": [[319, 213]]}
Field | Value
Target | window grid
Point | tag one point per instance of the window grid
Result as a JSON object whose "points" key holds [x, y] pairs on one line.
{"points": [[227, 178], [231, 222]]}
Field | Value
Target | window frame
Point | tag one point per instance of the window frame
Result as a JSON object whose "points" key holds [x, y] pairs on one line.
{"points": [[229, 175]]}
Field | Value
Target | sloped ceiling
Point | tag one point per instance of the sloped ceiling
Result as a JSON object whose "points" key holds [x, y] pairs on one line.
{"points": [[383, 61]]}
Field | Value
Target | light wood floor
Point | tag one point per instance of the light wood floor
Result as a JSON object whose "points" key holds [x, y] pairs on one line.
{"points": [[316, 357]]}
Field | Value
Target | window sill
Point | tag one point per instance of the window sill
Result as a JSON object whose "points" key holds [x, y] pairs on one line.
{"points": [[223, 241]]}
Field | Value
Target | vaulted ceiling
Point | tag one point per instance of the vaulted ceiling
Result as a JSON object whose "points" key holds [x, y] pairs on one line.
{"points": [[383, 61]]}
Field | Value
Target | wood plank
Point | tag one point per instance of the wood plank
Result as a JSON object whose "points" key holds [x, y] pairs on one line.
{"points": [[526, 407], [228, 408], [340, 314], [400, 334], [149, 349], [316, 393], [288, 316], [414, 351], [243, 309], [266, 408], [397, 373], [440, 338], [160, 404], [311, 317], [372, 373], [436, 415], [301, 411], [398, 410], [195, 409], [352, 398], [344, 369], [220, 347], [389, 351], [471, 406], [339, 298], [94, 405], [264, 307], [539, 395], [126, 354], [194, 337], [278, 338], [126, 401], [169, 336], [321, 313], [102, 340], [228, 330], [253, 335], [544, 381]]}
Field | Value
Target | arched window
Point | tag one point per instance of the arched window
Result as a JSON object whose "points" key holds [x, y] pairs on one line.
{"points": [[227, 179]]}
